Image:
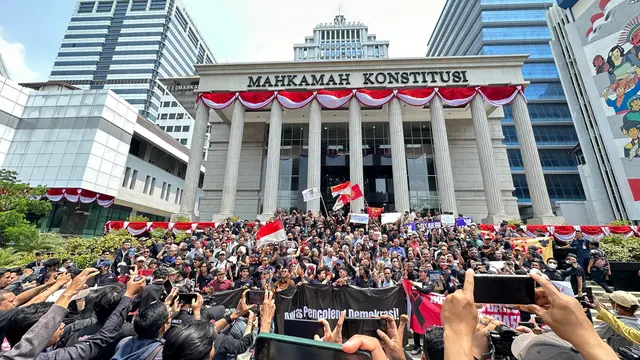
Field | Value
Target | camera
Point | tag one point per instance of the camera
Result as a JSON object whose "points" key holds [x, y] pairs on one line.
{"points": [[500, 341]]}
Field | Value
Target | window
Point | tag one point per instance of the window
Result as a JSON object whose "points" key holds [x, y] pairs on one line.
{"points": [[183, 141], [180, 199], [152, 187], [560, 187], [134, 177], [158, 4], [127, 173], [162, 128], [181, 20], [164, 116], [169, 128], [542, 113], [174, 104], [147, 181], [139, 5], [172, 116], [193, 37], [166, 104], [535, 51], [175, 200], [545, 135], [186, 128], [180, 116], [164, 189], [85, 7], [177, 128], [166, 196], [104, 6], [513, 15], [516, 33]]}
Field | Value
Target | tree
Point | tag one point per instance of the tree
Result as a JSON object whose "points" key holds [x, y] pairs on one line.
{"points": [[17, 199]]}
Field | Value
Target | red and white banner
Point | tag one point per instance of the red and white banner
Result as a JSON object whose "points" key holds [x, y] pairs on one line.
{"points": [[626, 231], [333, 99], [138, 228], [273, 232], [566, 233], [509, 317], [592, 232], [82, 195]]}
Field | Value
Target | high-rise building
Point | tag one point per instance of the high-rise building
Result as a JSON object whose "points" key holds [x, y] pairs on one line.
{"points": [[341, 39], [498, 27], [127, 45], [3, 68]]}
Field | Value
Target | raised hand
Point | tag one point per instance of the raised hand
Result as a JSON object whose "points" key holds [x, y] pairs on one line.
{"points": [[334, 336]]}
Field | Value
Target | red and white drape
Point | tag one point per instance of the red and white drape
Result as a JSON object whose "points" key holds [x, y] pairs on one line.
{"points": [[139, 227], [333, 99], [566, 233], [82, 195]]}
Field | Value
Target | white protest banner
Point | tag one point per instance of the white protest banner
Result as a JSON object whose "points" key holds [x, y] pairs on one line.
{"points": [[497, 265], [310, 194], [564, 287], [360, 218], [508, 316], [447, 220], [388, 218]]}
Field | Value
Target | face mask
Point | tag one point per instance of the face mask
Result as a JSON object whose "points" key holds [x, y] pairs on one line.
{"points": [[552, 266]]}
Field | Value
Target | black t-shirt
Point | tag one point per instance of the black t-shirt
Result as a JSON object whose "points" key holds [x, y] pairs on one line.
{"points": [[183, 317], [4, 320]]}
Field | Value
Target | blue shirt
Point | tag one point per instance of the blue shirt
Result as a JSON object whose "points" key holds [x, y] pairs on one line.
{"points": [[398, 250], [582, 248]]}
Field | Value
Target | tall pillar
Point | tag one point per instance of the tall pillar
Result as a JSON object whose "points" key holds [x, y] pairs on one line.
{"points": [[272, 174], [192, 175], [492, 191], [314, 160], [228, 203], [355, 152], [398, 157], [542, 212], [446, 190]]}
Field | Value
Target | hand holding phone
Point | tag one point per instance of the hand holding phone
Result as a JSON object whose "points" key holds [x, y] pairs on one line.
{"points": [[275, 347], [491, 289], [255, 297]]}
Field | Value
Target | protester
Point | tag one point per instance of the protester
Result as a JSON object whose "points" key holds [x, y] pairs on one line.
{"points": [[625, 305]]}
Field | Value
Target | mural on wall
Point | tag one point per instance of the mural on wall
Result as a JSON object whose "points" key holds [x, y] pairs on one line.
{"points": [[610, 38]]}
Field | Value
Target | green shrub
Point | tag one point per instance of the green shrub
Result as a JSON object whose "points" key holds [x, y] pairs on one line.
{"points": [[620, 222], [138, 218], [157, 234], [617, 248], [182, 218]]}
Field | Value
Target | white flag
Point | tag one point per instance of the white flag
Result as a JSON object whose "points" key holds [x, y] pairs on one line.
{"points": [[388, 218], [310, 194]]}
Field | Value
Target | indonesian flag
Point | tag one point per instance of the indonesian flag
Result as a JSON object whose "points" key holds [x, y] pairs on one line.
{"points": [[273, 232], [341, 202], [353, 193], [375, 212], [339, 189]]}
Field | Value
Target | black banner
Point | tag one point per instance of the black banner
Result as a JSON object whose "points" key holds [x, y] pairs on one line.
{"points": [[326, 302]]}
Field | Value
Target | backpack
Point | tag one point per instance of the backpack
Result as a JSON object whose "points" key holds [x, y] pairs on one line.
{"points": [[600, 263]]}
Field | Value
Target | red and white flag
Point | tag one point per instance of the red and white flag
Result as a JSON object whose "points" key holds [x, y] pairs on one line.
{"points": [[340, 189], [341, 202], [356, 193], [273, 232], [353, 194]]}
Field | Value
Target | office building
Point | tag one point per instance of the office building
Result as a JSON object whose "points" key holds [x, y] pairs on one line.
{"points": [[341, 39], [378, 123], [127, 46], [595, 44], [499, 27], [99, 159], [3, 68]]}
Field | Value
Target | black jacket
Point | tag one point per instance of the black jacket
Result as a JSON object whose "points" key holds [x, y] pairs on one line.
{"points": [[227, 345], [151, 293]]}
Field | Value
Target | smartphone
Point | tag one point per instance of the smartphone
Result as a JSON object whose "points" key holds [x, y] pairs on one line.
{"points": [[589, 291], [504, 289], [363, 326], [168, 287], [276, 347], [303, 328], [255, 297], [187, 298]]}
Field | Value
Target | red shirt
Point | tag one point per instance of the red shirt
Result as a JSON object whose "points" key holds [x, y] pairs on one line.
{"points": [[217, 285]]}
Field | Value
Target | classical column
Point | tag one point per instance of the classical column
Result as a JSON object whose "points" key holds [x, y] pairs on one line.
{"points": [[542, 213], [314, 160], [398, 157], [230, 185], [192, 175], [272, 174], [446, 190], [355, 152], [492, 190]]}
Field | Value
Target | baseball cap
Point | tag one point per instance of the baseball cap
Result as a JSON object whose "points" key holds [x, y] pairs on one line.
{"points": [[105, 263], [172, 271], [623, 298], [141, 258], [545, 346]]}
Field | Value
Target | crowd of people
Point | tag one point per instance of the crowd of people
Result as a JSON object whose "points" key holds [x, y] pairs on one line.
{"points": [[120, 307]]}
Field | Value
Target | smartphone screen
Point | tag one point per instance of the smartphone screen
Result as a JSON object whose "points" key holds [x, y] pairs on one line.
{"points": [[168, 287], [589, 292], [504, 289], [303, 328], [278, 347], [363, 326], [255, 297], [187, 298]]}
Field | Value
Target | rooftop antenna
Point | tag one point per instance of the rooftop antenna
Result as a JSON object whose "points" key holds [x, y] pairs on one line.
{"points": [[339, 9]]}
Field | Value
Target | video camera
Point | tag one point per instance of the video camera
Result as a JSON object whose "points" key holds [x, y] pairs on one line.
{"points": [[500, 341]]}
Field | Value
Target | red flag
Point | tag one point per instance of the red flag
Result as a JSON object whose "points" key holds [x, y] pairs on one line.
{"points": [[341, 189], [424, 309], [374, 212], [356, 193], [273, 232]]}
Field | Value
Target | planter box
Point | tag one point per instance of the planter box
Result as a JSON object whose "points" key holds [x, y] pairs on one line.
{"points": [[625, 275]]}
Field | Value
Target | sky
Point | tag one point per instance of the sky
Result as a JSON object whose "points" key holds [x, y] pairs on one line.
{"points": [[235, 30]]}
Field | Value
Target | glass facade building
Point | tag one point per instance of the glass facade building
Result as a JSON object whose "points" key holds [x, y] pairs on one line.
{"points": [[504, 27], [126, 46], [3, 68]]}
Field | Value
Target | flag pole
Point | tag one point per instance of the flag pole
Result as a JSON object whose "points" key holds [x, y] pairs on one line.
{"points": [[326, 212]]}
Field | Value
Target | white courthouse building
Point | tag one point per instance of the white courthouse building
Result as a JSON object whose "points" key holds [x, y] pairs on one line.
{"points": [[414, 133]]}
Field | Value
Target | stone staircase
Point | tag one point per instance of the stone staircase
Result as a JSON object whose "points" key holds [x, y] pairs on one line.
{"points": [[603, 297]]}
